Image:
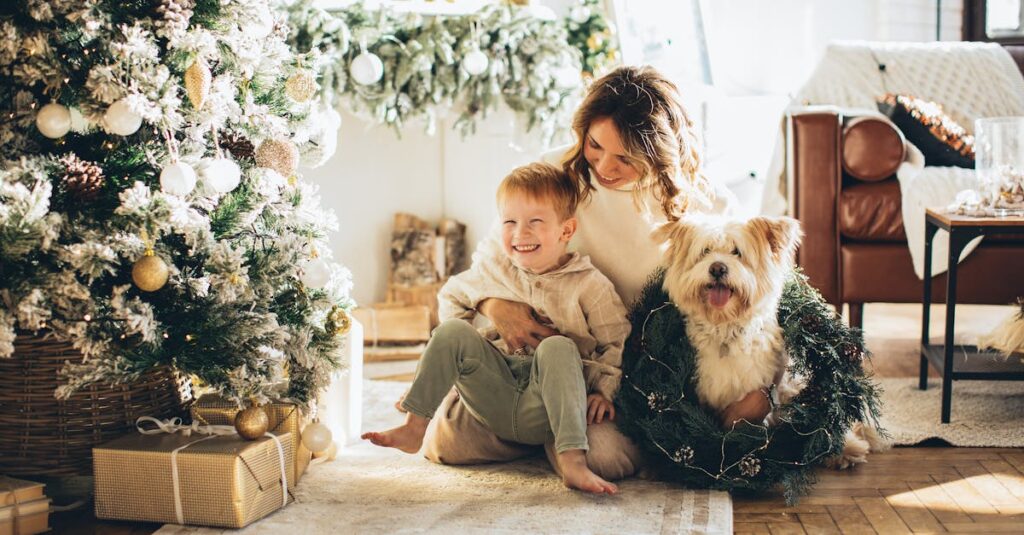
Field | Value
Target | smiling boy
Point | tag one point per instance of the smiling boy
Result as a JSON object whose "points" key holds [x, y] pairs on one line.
{"points": [[530, 397]]}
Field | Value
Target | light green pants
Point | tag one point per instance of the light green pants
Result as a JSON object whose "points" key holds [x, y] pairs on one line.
{"points": [[526, 399]]}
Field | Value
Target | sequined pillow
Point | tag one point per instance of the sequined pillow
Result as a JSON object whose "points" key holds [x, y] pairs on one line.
{"points": [[941, 139]]}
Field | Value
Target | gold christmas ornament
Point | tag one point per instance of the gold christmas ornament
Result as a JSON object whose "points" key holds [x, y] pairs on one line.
{"points": [[150, 272], [198, 80], [342, 321], [281, 155], [252, 423], [301, 86]]}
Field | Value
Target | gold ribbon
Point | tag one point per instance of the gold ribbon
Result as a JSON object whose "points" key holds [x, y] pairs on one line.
{"points": [[174, 425]]}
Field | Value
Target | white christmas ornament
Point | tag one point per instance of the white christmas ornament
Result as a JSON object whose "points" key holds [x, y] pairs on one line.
{"points": [[580, 14], [53, 120], [222, 175], [317, 437], [121, 120], [316, 273], [177, 178], [475, 62], [366, 68]]}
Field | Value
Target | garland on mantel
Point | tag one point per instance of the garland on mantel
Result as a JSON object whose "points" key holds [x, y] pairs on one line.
{"points": [[530, 63]]}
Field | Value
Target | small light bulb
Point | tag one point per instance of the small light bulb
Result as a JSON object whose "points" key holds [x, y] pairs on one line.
{"points": [[87, 317]]}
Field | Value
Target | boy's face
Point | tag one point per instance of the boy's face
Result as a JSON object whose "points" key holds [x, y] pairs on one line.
{"points": [[532, 234]]}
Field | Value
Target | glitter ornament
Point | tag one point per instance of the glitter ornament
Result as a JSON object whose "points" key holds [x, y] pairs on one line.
{"points": [[222, 174], [281, 155], [317, 437], [475, 62], [177, 178], [341, 320], [316, 273], [121, 120], [366, 68], [301, 86], [252, 423], [150, 272], [198, 80], [53, 120]]}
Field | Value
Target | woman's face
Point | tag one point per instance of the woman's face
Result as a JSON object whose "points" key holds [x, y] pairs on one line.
{"points": [[604, 152]]}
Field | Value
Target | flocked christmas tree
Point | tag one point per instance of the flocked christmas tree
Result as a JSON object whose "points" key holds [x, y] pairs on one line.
{"points": [[150, 211]]}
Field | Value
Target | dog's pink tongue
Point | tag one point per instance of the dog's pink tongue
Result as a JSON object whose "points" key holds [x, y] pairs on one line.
{"points": [[719, 296]]}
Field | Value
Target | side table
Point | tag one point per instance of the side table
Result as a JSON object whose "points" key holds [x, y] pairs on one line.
{"points": [[971, 363]]}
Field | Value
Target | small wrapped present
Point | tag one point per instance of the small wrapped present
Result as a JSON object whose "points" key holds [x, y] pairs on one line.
{"points": [[200, 475], [212, 409]]}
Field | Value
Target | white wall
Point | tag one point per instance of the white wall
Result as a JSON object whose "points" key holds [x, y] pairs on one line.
{"points": [[375, 174]]}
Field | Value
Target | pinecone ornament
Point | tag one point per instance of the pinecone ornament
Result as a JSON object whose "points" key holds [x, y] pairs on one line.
{"points": [[82, 180], [750, 466], [172, 16], [238, 145]]}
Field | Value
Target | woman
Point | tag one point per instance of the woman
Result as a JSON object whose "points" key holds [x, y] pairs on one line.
{"points": [[637, 161]]}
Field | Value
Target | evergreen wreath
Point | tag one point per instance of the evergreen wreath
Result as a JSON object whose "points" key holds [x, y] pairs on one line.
{"points": [[659, 408]]}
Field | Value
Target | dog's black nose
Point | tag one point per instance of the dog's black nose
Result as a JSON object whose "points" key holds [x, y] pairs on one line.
{"points": [[718, 270]]}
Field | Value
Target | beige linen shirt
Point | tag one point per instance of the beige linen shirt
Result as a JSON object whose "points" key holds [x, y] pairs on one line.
{"points": [[580, 302]]}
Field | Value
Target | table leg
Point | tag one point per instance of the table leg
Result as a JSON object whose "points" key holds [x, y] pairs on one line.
{"points": [[957, 241], [930, 229]]}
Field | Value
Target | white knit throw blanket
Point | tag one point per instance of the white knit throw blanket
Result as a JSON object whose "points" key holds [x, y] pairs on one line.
{"points": [[969, 81]]}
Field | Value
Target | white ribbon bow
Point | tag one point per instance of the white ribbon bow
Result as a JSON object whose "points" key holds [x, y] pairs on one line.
{"points": [[174, 425]]}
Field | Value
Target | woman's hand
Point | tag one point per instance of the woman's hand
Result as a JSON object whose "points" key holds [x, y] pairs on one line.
{"points": [[754, 407], [598, 407], [515, 323]]}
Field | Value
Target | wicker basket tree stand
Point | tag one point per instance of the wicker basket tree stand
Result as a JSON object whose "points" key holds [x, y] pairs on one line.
{"points": [[44, 436]]}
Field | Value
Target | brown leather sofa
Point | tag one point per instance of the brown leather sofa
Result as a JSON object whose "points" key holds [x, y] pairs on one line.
{"points": [[843, 189]]}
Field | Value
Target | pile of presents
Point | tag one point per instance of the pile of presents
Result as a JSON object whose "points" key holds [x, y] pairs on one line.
{"points": [[201, 473]]}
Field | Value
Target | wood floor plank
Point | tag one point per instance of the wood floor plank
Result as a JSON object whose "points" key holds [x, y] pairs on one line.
{"points": [[987, 485], [940, 504], [750, 528], [786, 528], [913, 512], [773, 506], [818, 523], [989, 527], [1015, 458], [1007, 475], [881, 516], [764, 517], [969, 499], [850, 520]]}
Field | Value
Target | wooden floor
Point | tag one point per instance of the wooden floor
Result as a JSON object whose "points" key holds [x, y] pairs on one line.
{"points": [[906, 490]]}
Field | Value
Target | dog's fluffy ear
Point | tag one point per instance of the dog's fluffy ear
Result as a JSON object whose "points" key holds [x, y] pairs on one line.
{"points": [[782, 234], [671, 234]]}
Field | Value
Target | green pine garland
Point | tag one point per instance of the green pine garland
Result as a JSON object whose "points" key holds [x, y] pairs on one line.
{"points": [[658, 401], [532, 67]]}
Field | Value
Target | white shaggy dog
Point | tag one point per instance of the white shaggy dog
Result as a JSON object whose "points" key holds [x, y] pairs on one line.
{"points": [[727, 277]]}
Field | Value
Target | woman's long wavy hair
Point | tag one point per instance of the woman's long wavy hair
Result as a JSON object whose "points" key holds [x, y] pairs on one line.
{"points": [[659, 139]]}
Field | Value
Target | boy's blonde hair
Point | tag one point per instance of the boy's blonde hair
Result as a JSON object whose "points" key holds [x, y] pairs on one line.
{"points": [[543, 182]]}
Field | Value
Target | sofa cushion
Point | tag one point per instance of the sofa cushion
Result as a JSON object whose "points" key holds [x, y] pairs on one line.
{"points": [[870, 211], [941, 139], [873, 148]]}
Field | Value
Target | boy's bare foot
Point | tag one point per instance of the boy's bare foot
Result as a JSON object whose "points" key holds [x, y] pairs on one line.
{"points": [[577, 475], [407, 437]]}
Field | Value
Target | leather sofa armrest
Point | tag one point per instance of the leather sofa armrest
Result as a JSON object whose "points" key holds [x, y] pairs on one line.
{"points": [[814, 178]]}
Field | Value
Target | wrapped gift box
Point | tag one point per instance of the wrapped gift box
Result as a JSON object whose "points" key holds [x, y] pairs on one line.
{"points": [[212, 409], [224, 481], [25, 518]]}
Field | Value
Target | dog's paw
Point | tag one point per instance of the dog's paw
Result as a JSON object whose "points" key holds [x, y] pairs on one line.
{"points": [[860, 440]]}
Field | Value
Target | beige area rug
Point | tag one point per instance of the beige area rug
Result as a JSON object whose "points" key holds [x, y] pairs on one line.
{"points": [[984, 413], [376, 490]]}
